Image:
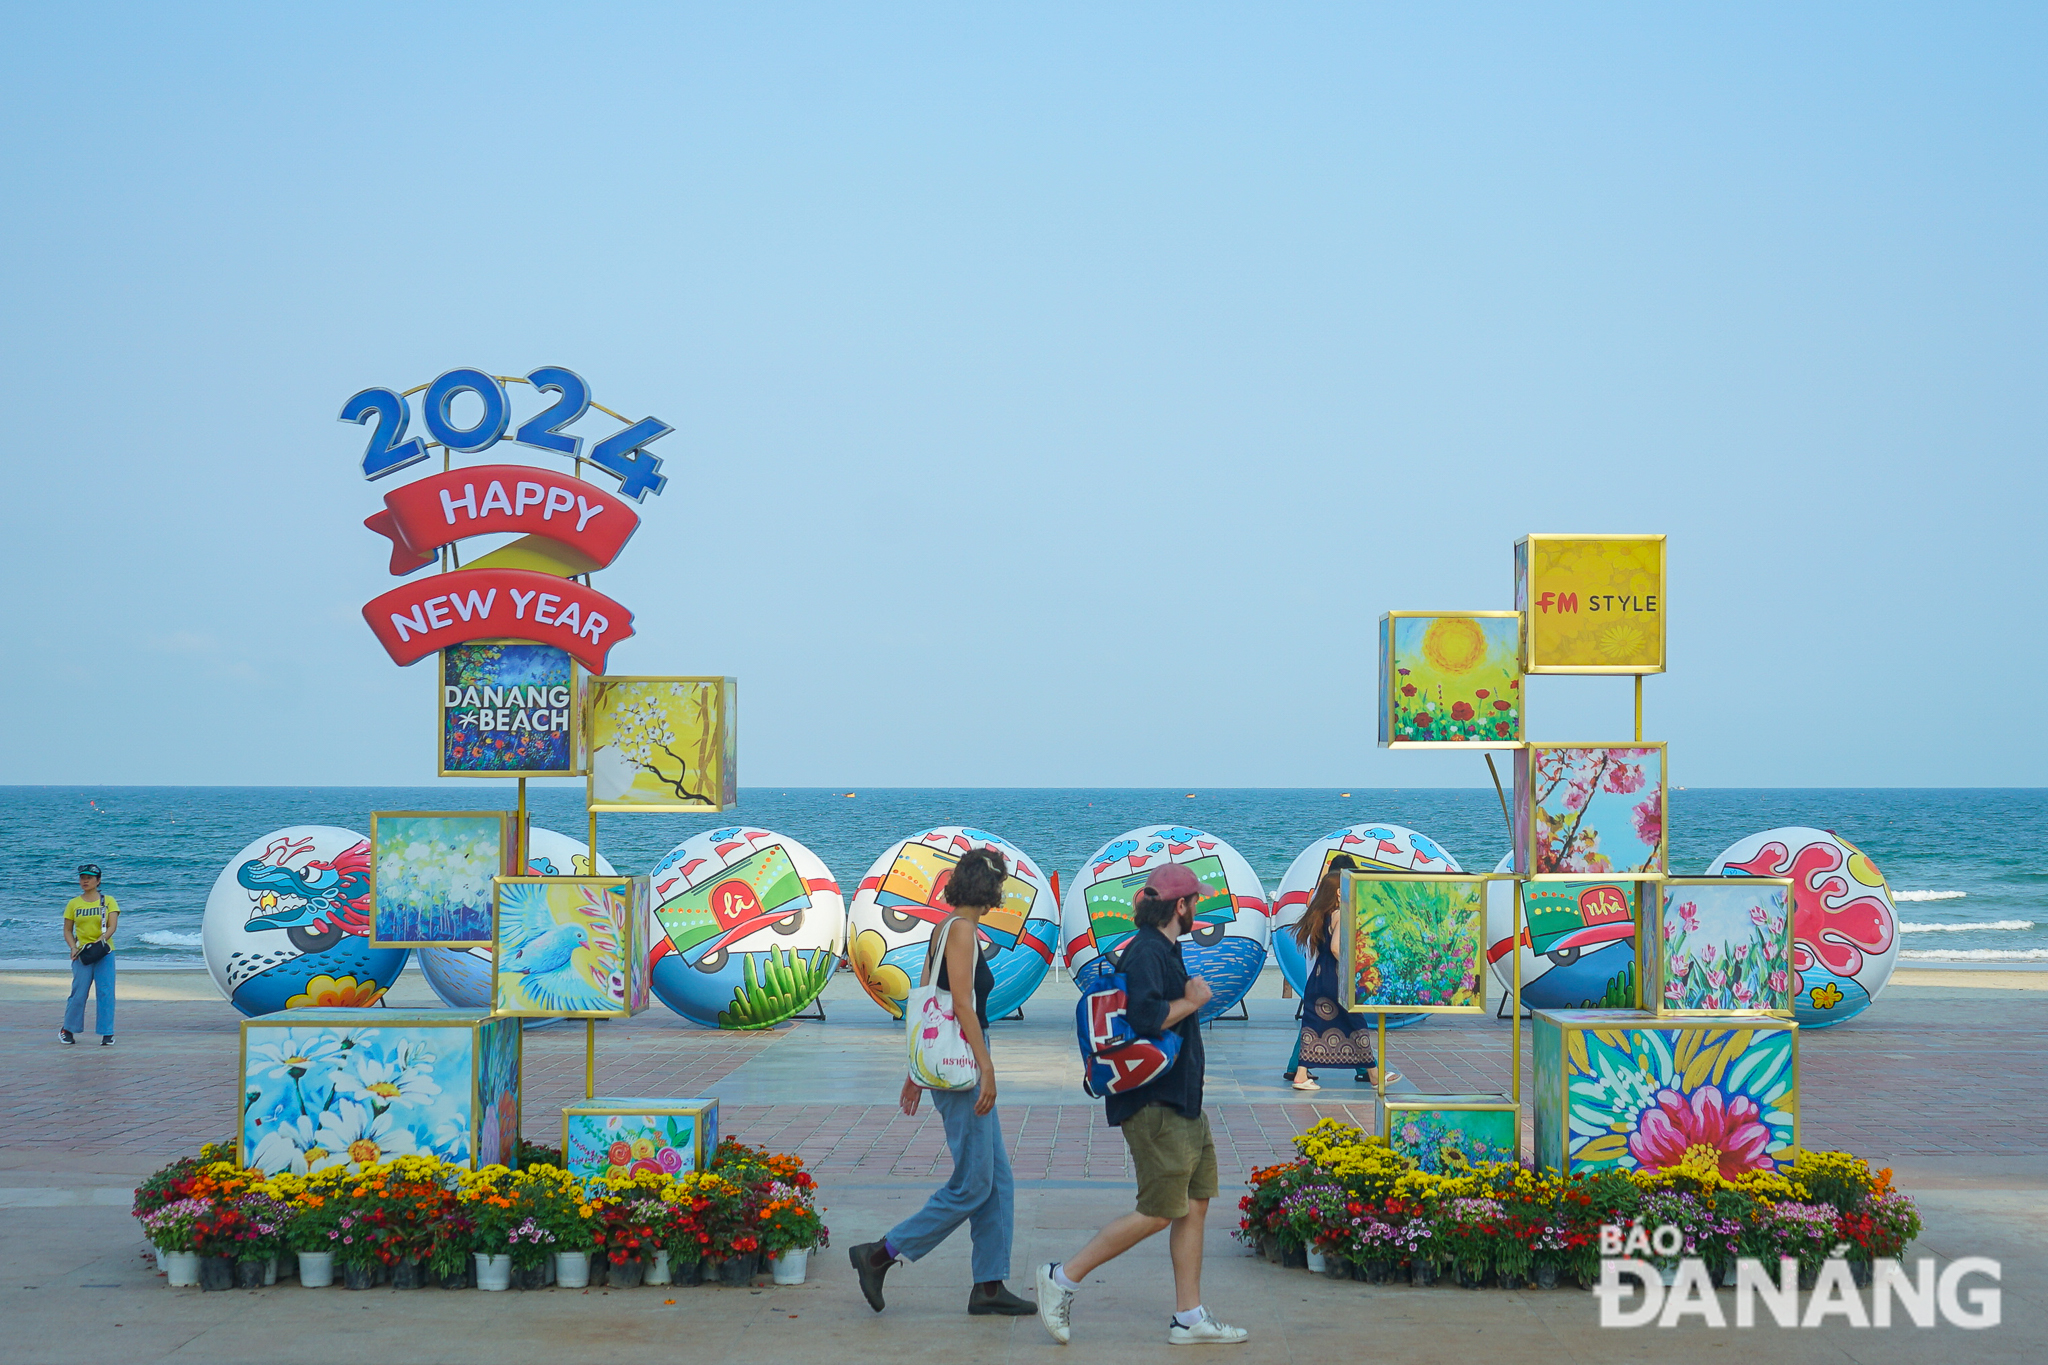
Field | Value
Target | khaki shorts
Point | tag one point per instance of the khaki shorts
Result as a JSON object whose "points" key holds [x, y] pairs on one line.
{"points": [[1175, 1157]]}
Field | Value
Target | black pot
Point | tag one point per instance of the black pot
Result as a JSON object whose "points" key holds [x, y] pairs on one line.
{"points": [[1546, 1276], [627, 1274], [1808, 1278], [1293, 1257], [600, 1270], [530, 1277], [408, 1275], [1859, 1274], [737, 1272], [1335, 1266], [218, 1272], [1269, 1249], [1376, 1272], [1421, 1274], [683, 1274], [360, 1276], [1508, 1279], [465, 1278], [249, 1274], [1469, 1280]]}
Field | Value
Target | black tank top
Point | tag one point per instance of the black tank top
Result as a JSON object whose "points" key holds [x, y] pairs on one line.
{"points": [[984, 982]]}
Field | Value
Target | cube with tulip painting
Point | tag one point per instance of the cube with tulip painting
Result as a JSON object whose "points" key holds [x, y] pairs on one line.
{"points": [[1722, 946], [1627, 1090], [615, 1136]]}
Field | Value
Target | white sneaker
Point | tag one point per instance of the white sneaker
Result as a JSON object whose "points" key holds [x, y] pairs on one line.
{"points": [[1207, 1332], [1054, 1303]]}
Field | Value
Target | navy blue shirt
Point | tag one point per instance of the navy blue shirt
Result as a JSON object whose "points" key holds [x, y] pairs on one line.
{"points": [[1155, 976]]}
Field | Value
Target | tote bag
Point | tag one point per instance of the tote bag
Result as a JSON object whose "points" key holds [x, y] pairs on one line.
{"points": [[939, 1056]]}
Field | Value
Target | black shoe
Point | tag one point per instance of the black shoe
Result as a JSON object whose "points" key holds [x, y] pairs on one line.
{"points": [[64, 1035], [871, 1261], [106, 1040], [994, 1297]]}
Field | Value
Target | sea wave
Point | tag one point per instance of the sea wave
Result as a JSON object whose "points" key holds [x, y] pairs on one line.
{"points": [[1965, 928], [1928, 895], [1980, 955], [171, 938]]}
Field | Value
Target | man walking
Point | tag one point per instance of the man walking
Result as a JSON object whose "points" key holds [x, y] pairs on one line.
{"points": [[1162, 1122]]}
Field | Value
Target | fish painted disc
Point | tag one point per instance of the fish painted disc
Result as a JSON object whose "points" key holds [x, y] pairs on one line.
{"points": [[287, 924], [1845, 926], [1227, 946], [461, 977], [898, 904], [751, 927]]}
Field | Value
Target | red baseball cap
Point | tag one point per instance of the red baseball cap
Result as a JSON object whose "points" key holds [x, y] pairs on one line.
{"points": [[1173, 882]]}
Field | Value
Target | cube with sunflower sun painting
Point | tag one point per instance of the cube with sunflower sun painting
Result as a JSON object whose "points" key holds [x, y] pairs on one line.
{"points": [[618, 1137], [1450, 678], [1595, 603]]}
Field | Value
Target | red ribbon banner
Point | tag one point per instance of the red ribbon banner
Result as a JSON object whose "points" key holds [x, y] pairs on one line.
{"points": [[420, 618], [428, 513]]}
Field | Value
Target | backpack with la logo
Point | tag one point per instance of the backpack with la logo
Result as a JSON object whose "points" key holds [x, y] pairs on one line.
{"points": [[1114, 1056]]}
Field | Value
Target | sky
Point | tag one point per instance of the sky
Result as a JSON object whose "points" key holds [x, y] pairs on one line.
{"points": [[1060, 392]]}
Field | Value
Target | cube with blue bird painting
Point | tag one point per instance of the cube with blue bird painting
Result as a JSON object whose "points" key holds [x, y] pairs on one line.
{"points": [[571, 947]]}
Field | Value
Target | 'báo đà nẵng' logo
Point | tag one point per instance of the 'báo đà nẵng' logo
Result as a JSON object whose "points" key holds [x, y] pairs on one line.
{"points": [[528, 589]]}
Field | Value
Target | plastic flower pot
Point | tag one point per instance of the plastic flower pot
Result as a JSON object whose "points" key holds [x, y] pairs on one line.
{"points": [[359, 1276], [790, 1266], [316, 1269], [624, 1274], [273, 1268], [657, 1270], [181, 1268], [1293, 1257], [1468, 1279], [249, 1273], [492, 1272], [1377, 1272], [737, 1271], [216, 1272], [463, 1277], [1316, 1260], [600, 1270], [1336, 1267], [1508, 1279], [686, 1273], [1546, 1276], [1421, 1274], [572, 1269], [408, 1275], [1859, 1274]]}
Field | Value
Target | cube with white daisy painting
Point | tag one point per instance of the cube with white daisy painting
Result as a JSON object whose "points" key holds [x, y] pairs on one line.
{"points": [[348, 1088]]}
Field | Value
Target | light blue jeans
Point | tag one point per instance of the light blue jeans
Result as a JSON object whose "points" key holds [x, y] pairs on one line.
{"points": [[980, 1194], [99, 978]]}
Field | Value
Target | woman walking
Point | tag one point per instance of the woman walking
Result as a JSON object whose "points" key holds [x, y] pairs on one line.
{"points": [[980, 1192], [1330, 1036], [89, 920]]}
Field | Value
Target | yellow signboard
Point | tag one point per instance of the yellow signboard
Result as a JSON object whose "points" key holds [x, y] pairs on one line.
{"points": [[1593, 604]]}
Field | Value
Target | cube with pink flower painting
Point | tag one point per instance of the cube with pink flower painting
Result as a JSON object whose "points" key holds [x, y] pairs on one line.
{"points": [[1628, 1090], [1590, 808], [614, 1136], [1721, 946]]}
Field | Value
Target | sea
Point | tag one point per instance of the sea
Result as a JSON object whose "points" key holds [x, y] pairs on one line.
{"points": [[1967, 867]]}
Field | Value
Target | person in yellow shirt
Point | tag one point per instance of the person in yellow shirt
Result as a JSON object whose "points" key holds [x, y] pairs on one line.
{"points": [[89, 920]]}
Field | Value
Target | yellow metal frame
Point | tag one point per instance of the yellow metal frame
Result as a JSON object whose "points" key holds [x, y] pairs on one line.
{"points": [[579, 757], [726, 707], [1524, 560], [1524, 833], [1348, 941], [1388, 678], [638, 940], [511, 845], [1654, 937]]}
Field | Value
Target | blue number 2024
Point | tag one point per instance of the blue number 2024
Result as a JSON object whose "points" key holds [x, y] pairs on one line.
{"points": [[623, 454]]}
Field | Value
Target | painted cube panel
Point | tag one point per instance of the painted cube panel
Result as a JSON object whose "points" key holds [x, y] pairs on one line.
{"points": [[508, 710], [1626, 1090], [571, 947], [1413, 942], [1429, 1127], [662, 743], [1723, 945], [1450, 679], [431, 875], [1595, 604], [1589, 808], [618, 1136], [326, 1088]]}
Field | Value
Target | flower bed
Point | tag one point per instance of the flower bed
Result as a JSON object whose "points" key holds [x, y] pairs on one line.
{"points": [[1349, 1195], [417, 1218]]}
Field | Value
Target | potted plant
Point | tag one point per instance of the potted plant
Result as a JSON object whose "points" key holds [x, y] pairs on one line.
{"points": [[575, 1223], [170, 1229], [315, 1229], [454, 1244], [789, 1227], [686, 1237], [265, 1223], [1804, 1232], [630, 1234], [485, 1198], [217, 1235]]}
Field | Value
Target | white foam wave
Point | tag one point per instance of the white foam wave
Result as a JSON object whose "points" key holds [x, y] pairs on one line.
{"points": [[1980, 955], [171, 938], [1965, 928], [1928, 895]]}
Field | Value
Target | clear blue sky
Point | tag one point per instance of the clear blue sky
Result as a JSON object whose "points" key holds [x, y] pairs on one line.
{"points": [[1060, 393]]}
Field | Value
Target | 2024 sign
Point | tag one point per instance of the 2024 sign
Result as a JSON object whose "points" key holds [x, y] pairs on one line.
{"points": [[623, 454]]}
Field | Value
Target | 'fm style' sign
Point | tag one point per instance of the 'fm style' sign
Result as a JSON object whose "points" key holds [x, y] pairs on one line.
{"points": [[422, 618], [428, 513]]}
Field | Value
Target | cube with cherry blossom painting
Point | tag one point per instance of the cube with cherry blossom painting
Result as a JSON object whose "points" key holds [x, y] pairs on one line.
{"points": [[613, 1136], [1590, 808], [325, 1088], [1628, 1090]]}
